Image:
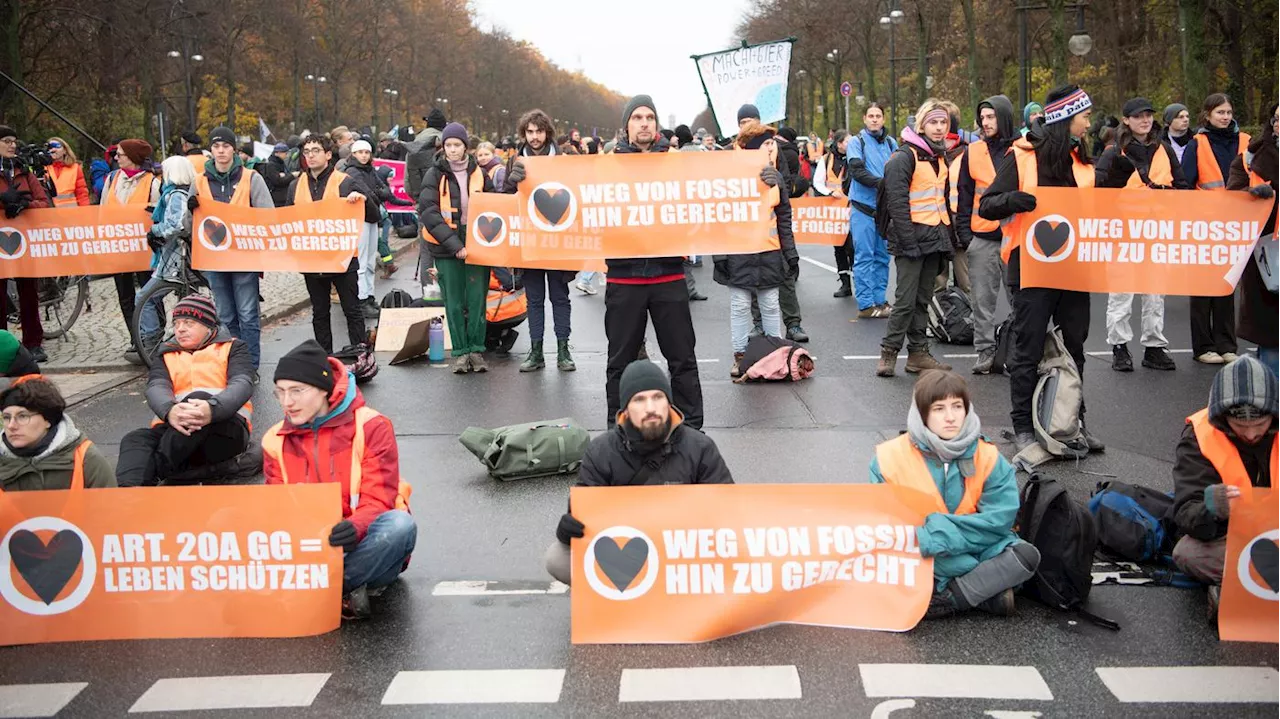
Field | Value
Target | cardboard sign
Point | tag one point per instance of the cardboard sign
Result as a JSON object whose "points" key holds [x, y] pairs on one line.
{"points": [[1162, 242], [396, 181], [312, 237], [646, 205], [691, 563], [755, 74], [169, 562], [90, 240], [493, 223], [398, 331], [1250, 601], [820, 220]]}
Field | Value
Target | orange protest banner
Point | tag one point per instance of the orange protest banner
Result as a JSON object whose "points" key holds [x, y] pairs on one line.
{"points": [[1163, 242], [312, 237], [819, 220], [1250, 601], [493, 226], [90, 240], [693, 563], [169, 562], [646, 205]]}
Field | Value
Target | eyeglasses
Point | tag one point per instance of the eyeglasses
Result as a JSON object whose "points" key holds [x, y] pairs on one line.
{"points": [[293, 394], [8, 140], [313, 151], [22, 419]]}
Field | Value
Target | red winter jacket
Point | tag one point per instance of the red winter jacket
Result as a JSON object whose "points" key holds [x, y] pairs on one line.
{"points": [[323, 453]]}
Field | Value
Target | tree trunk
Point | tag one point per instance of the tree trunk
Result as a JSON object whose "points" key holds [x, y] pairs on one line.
{"points": [[971, 39], [231, 88], [1195, 68], [1058, 39], [1233, 50], [922, 60]]}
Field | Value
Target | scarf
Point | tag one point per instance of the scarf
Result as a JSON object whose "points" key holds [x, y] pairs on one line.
{"points": [[1180, 140], [131, 172], [877, 135], [166, 189], [34, 450], [947, 450]]}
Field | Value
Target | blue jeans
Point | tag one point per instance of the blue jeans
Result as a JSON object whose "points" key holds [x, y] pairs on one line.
{"points": [[380, 556], [151, 324], [538, 284], [236, 294], [1269, 356], [870, 260], [740, 314]]}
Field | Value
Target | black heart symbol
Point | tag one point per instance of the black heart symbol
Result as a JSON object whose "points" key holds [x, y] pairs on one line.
{"points": [[621, 564], [46, 567], [1052, 238], [489, 227], [214, 231], [10, 242], [552, 204], [1265, 558]]}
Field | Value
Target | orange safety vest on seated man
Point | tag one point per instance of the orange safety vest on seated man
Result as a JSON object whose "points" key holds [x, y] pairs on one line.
{"points": [[902, 463], [204, 370], [501, 305], [1217, 447], [1024, 153]]}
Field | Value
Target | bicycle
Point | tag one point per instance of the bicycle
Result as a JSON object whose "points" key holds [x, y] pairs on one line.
{"points": [[178, 279], [62, 299]]}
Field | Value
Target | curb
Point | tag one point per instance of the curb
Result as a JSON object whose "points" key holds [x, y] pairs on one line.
{"points": [[300, 305]]}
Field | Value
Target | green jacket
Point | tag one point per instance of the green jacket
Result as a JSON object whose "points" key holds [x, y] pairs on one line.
{"points": [[52, 468], [958, 542]]}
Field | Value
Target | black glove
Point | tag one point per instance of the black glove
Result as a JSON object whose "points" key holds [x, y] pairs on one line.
{"points": [[15, 201], [793, 267], [516, 176], [193, 202], [1262, 192], [344, 535], [569, 528], [154, 241], [770, 176], [1020, 201]]}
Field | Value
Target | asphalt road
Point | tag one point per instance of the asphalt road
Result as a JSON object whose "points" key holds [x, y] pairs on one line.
{"points": [[439, 647]]}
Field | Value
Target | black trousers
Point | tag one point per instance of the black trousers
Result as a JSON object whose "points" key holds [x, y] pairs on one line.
{"points": [[151, 454], [1033, 309], [347, 285], [127, 286], [627, 310], [1213, 325], [844, 258]]}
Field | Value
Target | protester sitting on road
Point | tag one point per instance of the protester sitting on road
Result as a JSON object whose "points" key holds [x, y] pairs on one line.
{"points": [[21, 190], [1225, 451], [41, 447], [649, 445], [978, 561], [15, 360], [329, 435], [505, 309], [171, 225], [200, 392]]}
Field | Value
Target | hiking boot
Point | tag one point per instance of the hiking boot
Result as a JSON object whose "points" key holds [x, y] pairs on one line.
{"points": [[355, 604], [1215, 596], [986, 359], [920, 361], [1094, 444], [1023, 440], [888, 361], [846, 288], [533, 361], [462, 364], [796, 333], [387, 269], [1229, 357], [941, 605], [1001, 605], [1158, 358], [736, 370], [564, 361], [477, 362], [507, 341], [1121, 361], [1210, 357]]}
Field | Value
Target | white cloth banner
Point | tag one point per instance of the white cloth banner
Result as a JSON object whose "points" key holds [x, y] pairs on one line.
{"points": [[755, 75], [262, 150]]}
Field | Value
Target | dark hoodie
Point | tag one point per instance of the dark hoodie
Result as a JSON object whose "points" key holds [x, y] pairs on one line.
{"points": [[905, 238], [1006, 132], [645, 270]]}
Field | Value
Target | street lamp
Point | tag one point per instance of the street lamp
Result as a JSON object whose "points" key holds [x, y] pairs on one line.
{"points": [[1080, 43], [391, 104], [890, 22], [187, 59], [315, 80]]}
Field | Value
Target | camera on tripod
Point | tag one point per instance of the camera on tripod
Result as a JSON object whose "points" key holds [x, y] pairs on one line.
{"points": [[36, 157]]}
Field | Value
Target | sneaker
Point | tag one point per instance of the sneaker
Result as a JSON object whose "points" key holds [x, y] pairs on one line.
{"points": [[1229, 357], [1210, 358], [387, 269], [869, 313], [941, 605], [796, 333], [697, 296], [355, 604], [37, 354], [462, 364], [920, 361], [1001, 605], [986, 358], [585, 288], [132, 356], [1158, 358], [1023, 440], [886, 308], [1121, 360], [477, 362]]}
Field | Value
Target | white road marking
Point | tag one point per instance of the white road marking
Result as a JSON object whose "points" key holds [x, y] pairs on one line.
{"points": [[37, 700], [869, 357], [707, 360], [884, 709], [709, 684], [823, 265], [496, 686], [1193, 685], [1108, 353], [961, 356], [955, 681], [253, 691], [471, 588], [1011, 714]]}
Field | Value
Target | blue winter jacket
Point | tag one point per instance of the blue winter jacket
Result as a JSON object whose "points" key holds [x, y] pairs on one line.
{"points": [[866, 156], [958, 542]]}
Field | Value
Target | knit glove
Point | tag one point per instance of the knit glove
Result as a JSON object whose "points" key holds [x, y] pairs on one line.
{"points": [[516, 176], [1020, 201], [1262, 192], [770, 176], [1216, 502], [569, 528], [344, 535]]}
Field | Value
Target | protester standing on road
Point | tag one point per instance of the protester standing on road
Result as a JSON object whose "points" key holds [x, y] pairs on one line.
{"points": [[1157, 167], [368, 183], [21, 190], [1218, 143], [275, 174], [650, 444], [958, 264], [838, 183], [488, 160], [919, 235], [226, 179], [191, 142], [67, 175], [446, 189], [1256, 171], [133, 184], [866, 155], [41, 447]]}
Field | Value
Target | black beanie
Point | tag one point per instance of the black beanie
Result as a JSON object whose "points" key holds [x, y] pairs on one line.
{"points": [[38, 395], [642, 376], [636, 102], [6, 131], [684, 134], [307, 363], [748, 110], [435, 119], [222, 134]]}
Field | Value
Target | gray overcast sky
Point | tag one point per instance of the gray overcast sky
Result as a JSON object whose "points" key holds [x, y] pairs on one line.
{"points": [[630, 47]]}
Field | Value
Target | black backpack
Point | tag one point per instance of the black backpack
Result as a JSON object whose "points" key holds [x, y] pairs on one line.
{"points": [[1064, 532], [1132, 521], [951, 317], [1004, 343], [396, 299]]}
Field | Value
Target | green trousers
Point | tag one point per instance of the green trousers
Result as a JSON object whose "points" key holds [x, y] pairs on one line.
{"points": [[464, 288]]}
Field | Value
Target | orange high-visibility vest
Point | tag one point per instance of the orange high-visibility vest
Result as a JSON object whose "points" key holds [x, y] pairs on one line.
{"points": [[197, 163], [240, 196], [1222, 454], [204, 370], [927, 194], [501, 305], [65, 179], [903, 464], [1254, 178], [983, 171], [1159, 173], [452, 212], [135, 197], [1028, 181], [1208, 174], [302, 194], [273, 451], [835, 178]]}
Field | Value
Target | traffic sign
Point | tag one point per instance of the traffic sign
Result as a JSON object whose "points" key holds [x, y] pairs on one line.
{"points": [[846, 89]]}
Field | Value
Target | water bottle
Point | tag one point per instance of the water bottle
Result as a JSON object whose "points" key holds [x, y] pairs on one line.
{"points": [[435, 340]]}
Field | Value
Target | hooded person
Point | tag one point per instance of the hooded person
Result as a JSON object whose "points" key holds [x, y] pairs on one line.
{"points": [[979, 237], [420, 154], [650, 444], [684, 137], [1256, 171], [41, 448], [1226, 450], [790, 165], [865, 156], [328, 434], [1031, 112]]}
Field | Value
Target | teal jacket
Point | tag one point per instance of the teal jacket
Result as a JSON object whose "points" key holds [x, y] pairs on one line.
{"points": [[958, 543]]}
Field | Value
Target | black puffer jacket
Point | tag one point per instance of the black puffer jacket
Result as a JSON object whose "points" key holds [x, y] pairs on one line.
{"points": [[378, 187], [1259, 320], [762, 270], [1141, 154], [644, 267], [447, 239], [790, 167], [277, 178], [906, 238], [686, 457]]}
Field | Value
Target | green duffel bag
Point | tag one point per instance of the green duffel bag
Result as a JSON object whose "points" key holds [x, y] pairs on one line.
{"points": [[521, 451]]}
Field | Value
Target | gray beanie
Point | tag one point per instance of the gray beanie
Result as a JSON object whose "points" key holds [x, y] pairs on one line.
{"points": [[1171, 111], [1244, 389], [635, 102]]}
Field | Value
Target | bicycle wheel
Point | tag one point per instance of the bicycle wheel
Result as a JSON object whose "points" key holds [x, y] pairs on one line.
{"points": [[167, 293], [62, 306]]}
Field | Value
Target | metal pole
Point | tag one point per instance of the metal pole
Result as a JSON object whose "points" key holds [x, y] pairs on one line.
{"points": [[186, 78], [315, 84], [51, 109], [893, 77], [164, 139], [1024, 52], [846, 112]]}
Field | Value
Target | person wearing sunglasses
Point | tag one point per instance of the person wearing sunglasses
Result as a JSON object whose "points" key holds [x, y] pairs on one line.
{"points": [[41, 448], [67, 175]]}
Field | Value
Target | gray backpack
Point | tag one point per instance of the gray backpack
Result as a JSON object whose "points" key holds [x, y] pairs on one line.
{"points": [[535, 449], [1055, 406]]}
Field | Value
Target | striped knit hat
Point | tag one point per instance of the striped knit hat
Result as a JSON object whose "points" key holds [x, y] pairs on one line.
{"points": [[198, 308], [1244, 389], [1065, 103]]}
